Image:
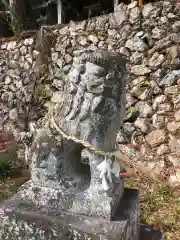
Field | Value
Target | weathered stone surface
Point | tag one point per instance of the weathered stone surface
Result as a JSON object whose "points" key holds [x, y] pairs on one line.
{"points": [[140, 70], [23, 220], [170, 78], [177, 115], [141, 123], [156, 137], [91, 107], [162, 149], [158, 121], [156, 60], [172, 90], [145, 110], [159, 100], [173, 126]]}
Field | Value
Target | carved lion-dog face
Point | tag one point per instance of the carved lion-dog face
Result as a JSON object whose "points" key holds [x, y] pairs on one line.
{"points": [[94, 98]]}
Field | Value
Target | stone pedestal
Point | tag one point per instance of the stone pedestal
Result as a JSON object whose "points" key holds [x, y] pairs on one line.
{"points": [[25, 220]]}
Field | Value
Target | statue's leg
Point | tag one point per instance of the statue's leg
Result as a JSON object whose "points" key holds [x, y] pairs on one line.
{"points": [[102, 195], [73, 170]]}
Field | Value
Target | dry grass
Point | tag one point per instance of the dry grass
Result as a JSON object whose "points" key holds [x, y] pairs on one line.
{"points": [[160, 205], [9, 186]]}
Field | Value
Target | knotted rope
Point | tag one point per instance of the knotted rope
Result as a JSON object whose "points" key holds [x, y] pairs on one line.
{"points": [[49, 118], [84, 143]]}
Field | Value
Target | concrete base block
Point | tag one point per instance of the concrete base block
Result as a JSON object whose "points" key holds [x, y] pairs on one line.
{"points": [[24, 220]]}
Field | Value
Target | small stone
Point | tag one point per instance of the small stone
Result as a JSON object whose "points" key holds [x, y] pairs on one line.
{"points": [[82, 40], [29, 60], [171, 16], [138, 80], [67, 58], [11, 45], [124, 51], [158, 121], [164, 108], [35, 53], [174, 180], [176, 26], [173, 126], [57, 97], [174, 144], [172, 52], [102, 45], [158, 33], [8, 80], [76, 26], [177, 116], [176, 101], [130, 101], [140, 70], [23, 50], [54, 56], [178, 82], [158, 74], [162, 149], [28, 41], [118, 17], [26, 66], [66, 69], [58, 84], [60, 63], [132, 5], [134, 14], [129, 44], [174, 38], [93, 39], [141, 123], [156, 60], [147, 9], [145, 110], [170, 78], [142, 93], [13, 114], [136, 58], [164, 20], [155, 138], [128, 128], [158, 100], [156, 89], [136, 44], [121, 138], [4, 46], [172, 91], [18, 84], [174, 160], [140, 34]]}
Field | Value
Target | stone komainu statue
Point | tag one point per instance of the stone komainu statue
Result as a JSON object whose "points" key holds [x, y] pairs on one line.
{"points": [[91, 111]]}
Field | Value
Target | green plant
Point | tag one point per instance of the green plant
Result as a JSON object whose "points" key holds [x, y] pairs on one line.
{"points": [[132, 110], [5, 169], [146, 84], [101, 34]]}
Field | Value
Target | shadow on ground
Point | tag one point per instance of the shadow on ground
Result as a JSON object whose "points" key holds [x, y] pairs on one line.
{"points": [[149, 232]]}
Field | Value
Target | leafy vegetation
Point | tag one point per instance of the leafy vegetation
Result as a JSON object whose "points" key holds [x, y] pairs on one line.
{"points": [[5, 168]]}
